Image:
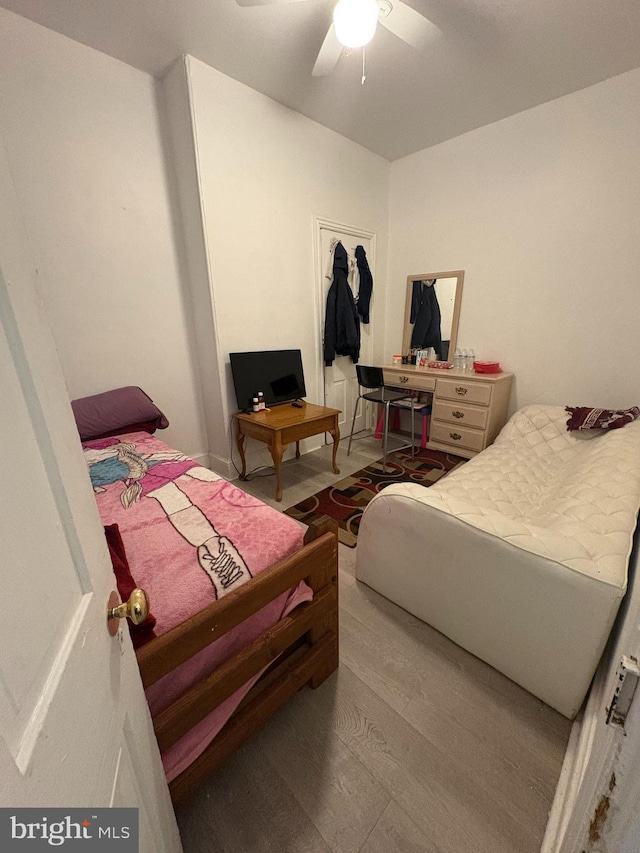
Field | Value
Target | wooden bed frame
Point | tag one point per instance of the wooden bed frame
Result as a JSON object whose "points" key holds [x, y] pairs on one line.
{"points": [[302, 648]]}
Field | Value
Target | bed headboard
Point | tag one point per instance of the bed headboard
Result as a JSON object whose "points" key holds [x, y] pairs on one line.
{"points": [[117, 412]]}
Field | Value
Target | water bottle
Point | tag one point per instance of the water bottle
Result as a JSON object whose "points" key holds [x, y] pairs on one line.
{"points": [[463, 359], [457, 359], [471, 357]]}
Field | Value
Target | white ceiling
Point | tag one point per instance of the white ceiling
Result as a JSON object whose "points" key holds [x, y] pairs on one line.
{"points": [[493, 59]]}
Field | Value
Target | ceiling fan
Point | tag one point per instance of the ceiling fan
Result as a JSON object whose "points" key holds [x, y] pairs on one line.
{"points": [[354, 24]]}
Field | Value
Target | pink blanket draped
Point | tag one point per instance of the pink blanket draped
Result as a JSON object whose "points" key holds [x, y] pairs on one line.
{"points": [[190, 537]]}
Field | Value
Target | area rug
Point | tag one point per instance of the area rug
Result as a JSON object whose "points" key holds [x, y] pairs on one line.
{"points": [[346, 500]]}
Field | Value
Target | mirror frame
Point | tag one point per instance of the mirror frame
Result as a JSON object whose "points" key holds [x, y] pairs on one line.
{"points": [[453, 340]]}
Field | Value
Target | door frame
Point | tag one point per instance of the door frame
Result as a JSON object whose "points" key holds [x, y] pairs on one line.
{"points": [[323, 224], [595, 750]]}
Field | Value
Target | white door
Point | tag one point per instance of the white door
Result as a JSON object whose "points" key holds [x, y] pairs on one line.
{"points": [[596, 804], [75, 729], [340, 382]]}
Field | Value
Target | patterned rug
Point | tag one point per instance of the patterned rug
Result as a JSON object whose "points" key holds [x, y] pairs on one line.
{"points": [[346, 500]]}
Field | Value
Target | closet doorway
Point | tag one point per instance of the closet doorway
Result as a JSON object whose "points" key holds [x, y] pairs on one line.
{"points": [[339, 381]]}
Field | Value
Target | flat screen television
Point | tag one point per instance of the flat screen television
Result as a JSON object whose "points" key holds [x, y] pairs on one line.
{"points": [[277, 373]]}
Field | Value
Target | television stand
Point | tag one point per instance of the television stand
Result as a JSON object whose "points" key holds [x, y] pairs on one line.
{"points": [[279, 426]]}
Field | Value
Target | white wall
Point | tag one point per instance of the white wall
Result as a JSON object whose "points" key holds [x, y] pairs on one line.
{"points": [[542, 211], [98, 182], [84, 142], [178, 110], [265, 171]]}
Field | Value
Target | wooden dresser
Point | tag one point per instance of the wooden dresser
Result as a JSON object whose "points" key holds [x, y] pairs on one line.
{"points": [[469, 409]]}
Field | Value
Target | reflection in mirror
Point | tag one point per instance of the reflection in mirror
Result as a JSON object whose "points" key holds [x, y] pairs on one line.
{"points": [[432, 312]]}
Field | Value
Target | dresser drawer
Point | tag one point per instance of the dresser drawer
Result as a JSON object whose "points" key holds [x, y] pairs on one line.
{"points": [[456, 436], [414, 380], [467, 392], [456, 413]]}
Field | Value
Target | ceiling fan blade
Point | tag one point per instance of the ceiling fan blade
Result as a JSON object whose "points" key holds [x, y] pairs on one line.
{"points": [[409, 25], [266, 2], [330, 53]]}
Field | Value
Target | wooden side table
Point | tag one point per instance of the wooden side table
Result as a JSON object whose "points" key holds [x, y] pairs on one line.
{"points": [[279, 426]]}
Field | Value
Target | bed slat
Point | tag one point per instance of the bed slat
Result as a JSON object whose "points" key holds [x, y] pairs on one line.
{"points": [[302, 648], [172, 723], [169, 650], [251, 717]]}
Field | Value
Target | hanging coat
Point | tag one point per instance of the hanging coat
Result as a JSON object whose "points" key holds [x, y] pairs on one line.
{"points": [[425, 315], [366, 284], [329, 269], [341, 325]]}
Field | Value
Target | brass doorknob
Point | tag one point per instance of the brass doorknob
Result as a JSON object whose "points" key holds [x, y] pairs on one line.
{"points": [[136, 609]]}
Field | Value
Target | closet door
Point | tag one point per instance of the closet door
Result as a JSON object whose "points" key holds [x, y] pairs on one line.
{"points": [[340, 382]]}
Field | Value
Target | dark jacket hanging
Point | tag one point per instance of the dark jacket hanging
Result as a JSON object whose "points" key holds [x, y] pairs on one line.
{"points": [[342, 325], [366, 284], [425, 315]]}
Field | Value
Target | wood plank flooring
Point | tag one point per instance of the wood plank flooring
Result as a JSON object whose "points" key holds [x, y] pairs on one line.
{"points": [[413, 745]]}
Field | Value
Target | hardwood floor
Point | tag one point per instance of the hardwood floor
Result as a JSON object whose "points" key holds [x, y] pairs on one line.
{"points": [[413, 745]]}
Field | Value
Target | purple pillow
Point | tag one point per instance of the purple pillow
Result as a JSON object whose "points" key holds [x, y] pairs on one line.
{"points": [[113, 412]]}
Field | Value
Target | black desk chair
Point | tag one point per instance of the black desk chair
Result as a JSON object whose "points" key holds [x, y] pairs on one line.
{"points": [[372, 380]]}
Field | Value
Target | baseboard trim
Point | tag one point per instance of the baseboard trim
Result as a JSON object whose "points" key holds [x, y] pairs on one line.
{"points": [[202, 459], [222, 465], [257, 456], [566, 790]]}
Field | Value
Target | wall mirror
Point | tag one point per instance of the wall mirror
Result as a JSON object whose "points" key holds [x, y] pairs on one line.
{"points": [[432, 312]]}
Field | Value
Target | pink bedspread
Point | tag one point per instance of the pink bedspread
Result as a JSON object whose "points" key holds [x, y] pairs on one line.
{"points": [[190, 537]]}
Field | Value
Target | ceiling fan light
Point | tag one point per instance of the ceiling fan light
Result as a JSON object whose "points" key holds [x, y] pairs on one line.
{"points": [[355, 21]]}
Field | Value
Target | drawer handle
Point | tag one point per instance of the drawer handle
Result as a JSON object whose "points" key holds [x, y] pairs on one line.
{"points": [[458, 414], [455, 436], [461, 391], [403, 378]]}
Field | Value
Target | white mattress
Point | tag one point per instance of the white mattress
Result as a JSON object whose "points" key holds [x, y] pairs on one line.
{"points": [[521, 554], [569, 496]]}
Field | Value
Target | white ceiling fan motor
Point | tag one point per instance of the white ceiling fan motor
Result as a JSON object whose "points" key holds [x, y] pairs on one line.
{"points": [[385, 8]]}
